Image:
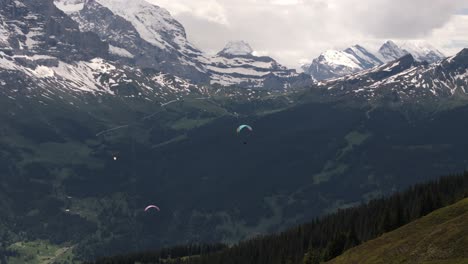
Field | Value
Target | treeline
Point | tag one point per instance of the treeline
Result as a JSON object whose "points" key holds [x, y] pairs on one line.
{"points": [[166, 254], [329, 236]]}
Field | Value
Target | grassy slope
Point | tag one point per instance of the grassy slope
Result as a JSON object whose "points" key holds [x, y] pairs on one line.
{"points": [[440, 237], [41, 252]]}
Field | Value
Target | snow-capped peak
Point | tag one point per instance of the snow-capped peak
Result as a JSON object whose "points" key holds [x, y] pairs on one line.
{"points": [[333, 63], [390, 51], [390, 44], [237, 48], [422, 51], [334, 57]]}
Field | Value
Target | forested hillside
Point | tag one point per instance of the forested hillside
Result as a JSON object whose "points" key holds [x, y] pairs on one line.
{"points": [[440, 237], [328, 237]]}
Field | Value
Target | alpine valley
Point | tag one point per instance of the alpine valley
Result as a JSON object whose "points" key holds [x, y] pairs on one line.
{"points": [[106, 107]]}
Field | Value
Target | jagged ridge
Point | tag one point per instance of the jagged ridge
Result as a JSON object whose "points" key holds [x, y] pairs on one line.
{"points": [[333, 63]]}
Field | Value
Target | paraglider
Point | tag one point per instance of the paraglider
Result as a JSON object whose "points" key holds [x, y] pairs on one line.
{"points": [[242, 128], [115, 155], [152, 206]]}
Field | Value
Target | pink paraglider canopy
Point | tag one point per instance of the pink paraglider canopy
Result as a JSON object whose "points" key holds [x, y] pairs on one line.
{"points": [[152, 206]]}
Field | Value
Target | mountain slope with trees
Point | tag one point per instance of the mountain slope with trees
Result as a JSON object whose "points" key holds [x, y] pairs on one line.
{"points": [[440, 237], [326, 238]]}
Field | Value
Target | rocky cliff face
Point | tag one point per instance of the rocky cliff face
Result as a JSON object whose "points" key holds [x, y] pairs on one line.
{"points": [[38, 27]]}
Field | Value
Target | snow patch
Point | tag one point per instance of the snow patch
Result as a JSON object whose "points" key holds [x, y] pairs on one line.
{"points": [[227, 80], [4, 34], [120, 52], [172, 82], [69, 6], [7, 63], [19, 4], [340, 58], [241, 71], [461, 76], [390, 67], [363, 56], [31, 42], [35, 57], [43, 72], [238, 62]]}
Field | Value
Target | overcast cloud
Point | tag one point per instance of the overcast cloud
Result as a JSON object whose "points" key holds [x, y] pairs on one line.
{"points": [[295, 31]]}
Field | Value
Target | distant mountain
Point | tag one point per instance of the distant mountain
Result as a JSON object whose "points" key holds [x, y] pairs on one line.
{"points": [[423, 51], [45, 55], [440, 237], [236, 65], [390, 51], [405, 79], [71, 49], [333, 63], [139, 34], [147, 36]]}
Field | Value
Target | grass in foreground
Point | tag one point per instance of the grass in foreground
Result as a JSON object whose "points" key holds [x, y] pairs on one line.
{"points": [[440, 237]]}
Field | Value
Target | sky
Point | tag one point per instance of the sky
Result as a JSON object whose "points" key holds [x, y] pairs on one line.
{"points": [[296, 31]]}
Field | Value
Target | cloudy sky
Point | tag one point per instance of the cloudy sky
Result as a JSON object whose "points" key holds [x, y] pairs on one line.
{"points": [[295, 31]]}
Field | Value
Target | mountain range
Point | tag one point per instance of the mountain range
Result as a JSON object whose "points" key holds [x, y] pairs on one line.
{"points": [[144, 46], [405, 79], [42, 44], [147, 36], [335, 63]]}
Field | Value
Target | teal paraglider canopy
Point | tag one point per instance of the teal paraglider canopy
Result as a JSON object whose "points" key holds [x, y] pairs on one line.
{"points": [[244, 135], [242, 127]]}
